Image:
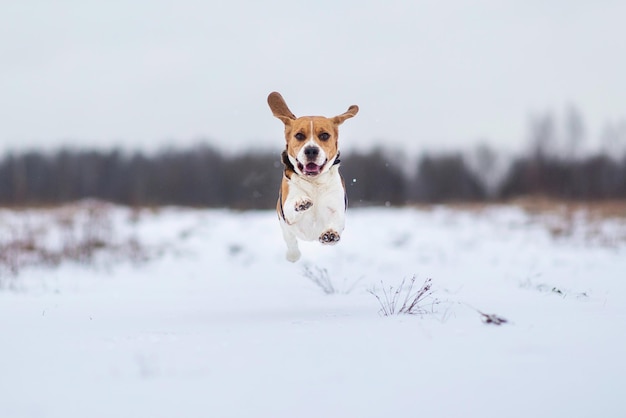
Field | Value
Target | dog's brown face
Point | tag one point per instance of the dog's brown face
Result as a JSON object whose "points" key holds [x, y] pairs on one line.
{"points": [[312, 141]]}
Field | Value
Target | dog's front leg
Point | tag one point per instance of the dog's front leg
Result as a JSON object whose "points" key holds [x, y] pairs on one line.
{"points": [[333, 211], [295, 206], [335, 223]]}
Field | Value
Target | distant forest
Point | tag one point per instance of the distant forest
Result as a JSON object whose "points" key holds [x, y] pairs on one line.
{"points": [[203, 176]]}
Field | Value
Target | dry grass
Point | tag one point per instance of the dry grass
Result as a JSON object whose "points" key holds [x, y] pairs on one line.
{"points": [[404, 300], [601, 209], [537, 205], [601, 222], [320, 277], [82, 233]]}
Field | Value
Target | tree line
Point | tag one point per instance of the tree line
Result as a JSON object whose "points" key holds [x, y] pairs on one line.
{"points": [[205, 177], [554, 165]]}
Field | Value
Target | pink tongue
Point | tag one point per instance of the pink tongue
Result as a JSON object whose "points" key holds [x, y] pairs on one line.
{"points": [[312, 168]]}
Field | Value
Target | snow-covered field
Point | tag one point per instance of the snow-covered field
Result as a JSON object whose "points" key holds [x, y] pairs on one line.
{"points": [[196, 313]]}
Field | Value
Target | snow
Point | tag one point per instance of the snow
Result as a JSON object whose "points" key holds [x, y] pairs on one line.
{"points": [[217, 324]]}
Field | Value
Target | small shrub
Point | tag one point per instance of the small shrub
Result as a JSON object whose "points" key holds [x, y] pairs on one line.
{"points": [[404, 299], [82, 233], [492, 319], [322, 279]]}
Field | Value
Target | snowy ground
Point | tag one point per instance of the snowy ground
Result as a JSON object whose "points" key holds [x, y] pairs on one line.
{"points": [[211, 321]]}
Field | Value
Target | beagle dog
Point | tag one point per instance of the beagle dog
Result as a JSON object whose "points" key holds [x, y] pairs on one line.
{"points": [[312, 197]]}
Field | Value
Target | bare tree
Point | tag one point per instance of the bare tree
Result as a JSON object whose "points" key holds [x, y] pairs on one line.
{"points": [[488, 167], [575, 132], [613, 140], [542, 135]]}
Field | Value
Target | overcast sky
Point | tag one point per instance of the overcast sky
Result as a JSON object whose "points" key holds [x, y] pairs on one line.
{"points": [[426, 74]]}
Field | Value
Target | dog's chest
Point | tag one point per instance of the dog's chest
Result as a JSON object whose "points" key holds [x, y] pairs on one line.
{"points": [[328, 198], [328, 188]]}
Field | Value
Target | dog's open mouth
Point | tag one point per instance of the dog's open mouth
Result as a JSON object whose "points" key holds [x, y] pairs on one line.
{"points": [[310, 169]]}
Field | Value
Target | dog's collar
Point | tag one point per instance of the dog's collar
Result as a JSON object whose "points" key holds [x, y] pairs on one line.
{"points": [[290, 169], [337, 161]]}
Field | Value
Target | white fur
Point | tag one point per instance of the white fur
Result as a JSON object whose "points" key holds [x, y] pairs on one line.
{"points": [[321, 157], [327, 212], [302, 158]]}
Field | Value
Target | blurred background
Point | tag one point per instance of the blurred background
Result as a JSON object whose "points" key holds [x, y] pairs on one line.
{"points": [[164, 102]]}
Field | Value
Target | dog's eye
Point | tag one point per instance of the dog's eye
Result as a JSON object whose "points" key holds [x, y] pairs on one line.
{"points": [[324, 136], [300, 136]]}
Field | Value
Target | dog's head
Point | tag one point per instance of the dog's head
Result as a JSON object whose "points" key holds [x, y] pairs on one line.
{"points": [[312, 141]]}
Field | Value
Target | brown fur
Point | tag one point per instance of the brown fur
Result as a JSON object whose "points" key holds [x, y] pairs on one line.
{"points": [[321, 124], [312, 199], [295, 125]]}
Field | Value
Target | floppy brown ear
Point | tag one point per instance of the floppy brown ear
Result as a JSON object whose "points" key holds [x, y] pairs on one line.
{"points": [[351, 112], [279, 107]]}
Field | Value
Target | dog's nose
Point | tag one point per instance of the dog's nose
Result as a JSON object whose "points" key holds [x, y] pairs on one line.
{"points": [[311, 152]]}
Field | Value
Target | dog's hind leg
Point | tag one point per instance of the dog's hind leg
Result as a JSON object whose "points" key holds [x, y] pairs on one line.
{"points": [[293, 252]]}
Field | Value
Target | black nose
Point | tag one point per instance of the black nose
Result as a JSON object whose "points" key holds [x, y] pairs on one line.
{"points": [[311, 152]]}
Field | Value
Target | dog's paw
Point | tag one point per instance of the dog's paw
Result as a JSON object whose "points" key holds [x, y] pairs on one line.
{"points": [[329, 237], [303, 205], [293, 255]]}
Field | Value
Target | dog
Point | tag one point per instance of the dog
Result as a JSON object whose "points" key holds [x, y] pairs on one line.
{"points": [[312, 197]]}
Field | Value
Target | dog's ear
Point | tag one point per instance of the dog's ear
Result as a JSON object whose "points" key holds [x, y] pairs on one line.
{"points": [[279, 108], [351, 112]]}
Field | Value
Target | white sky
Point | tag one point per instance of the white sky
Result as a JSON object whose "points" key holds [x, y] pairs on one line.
{"points": [[426, 74]]}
